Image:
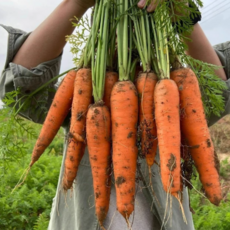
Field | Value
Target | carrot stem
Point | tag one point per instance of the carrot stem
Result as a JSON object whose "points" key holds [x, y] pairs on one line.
{"points": [[124, 43], [99, 59]]}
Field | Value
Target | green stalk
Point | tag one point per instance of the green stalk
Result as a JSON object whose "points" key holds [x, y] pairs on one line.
{"points": [[137, 44], [162, 55], [104, 52], [157, 63], [112, 38], [85, 59], [133, 69], [142, 37], [119, 40], [125, 37], [130, 46], [138, 41], [96, 20], [93, 52], [149, 56], [99, 58]]}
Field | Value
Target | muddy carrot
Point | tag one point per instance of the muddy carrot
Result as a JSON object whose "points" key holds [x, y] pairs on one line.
{"points": [[124, 130], [195, 129], [110, 79], [75, 149], [145, 87], [167, 115], [57, 113], [99, 145]]}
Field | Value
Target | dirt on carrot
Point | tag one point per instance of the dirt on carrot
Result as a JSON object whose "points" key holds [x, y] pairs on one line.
{"points": [[57, 113], [99, 146], [75, 149], [124, 97], [195, 129], [166, 98], [145, 84]]}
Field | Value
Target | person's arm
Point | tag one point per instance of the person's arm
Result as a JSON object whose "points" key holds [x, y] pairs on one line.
{"points": [[48, 40], [200, 48]]}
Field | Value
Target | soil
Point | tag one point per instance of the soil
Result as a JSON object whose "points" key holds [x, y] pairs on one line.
{"points": [[220, 133]]}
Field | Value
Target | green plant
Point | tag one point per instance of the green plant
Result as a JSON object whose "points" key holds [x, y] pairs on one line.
{"points": [[21, 209], [208, 216], [29, 205], [16, 132], [225, 169], [42, 222]]}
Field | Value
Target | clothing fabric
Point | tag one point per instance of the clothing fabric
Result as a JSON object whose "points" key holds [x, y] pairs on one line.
{"points": [[75, 209]]}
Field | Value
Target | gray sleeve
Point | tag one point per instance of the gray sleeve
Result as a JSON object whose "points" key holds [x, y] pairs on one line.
{"points": [[15, 77], [223, 52]]}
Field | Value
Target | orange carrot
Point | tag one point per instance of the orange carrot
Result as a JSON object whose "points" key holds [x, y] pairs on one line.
{"points": [[194, 127], [74, 154], [167, 116], [81, 101], [146, 83], [110, 79], [99, 145], [124, 117], [57, 113]]}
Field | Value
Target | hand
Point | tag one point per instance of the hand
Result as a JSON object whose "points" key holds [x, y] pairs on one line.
{"points": [[84, 4], [153, 4]]}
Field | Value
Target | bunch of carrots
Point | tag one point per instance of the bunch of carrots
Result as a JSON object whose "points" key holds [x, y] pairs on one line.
{"points": [[108, 105]]}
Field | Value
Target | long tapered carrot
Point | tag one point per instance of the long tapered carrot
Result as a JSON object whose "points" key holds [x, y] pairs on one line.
{"points": [[98, 117], [124, 117], [75, 152], [57, 113], [145, 84], [99, 145], [110, 79], [166, 99], [194, 127], [81, 101]]}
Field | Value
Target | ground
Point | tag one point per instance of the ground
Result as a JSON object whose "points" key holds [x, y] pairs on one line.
{"points": [[220, 133]]}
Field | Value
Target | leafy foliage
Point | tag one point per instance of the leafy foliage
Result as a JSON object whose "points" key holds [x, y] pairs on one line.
{"points": [[211, 86], [22, 208], [15, 132], [42, 222], [207, 216], [79, 39], [18, 136]]}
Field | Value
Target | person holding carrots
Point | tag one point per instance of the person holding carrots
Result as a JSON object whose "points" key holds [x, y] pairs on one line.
{"points": [[27, 71]]}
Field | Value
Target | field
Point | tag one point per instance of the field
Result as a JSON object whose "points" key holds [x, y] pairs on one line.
{"points": [[207, 216], [28, 207], [221, 138]]}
